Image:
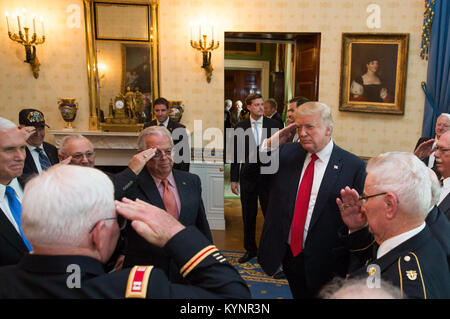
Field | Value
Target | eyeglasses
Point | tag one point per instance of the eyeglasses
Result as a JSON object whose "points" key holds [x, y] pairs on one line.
{"points": [[441, 149], [79, 156], [122, 222], [364, 197], [159, 154]]}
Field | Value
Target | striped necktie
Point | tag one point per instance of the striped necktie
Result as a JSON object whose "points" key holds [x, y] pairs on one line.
{"points": [[43, 159]]}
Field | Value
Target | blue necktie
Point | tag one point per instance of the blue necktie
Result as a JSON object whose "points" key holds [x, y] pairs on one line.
{"points": [[16, 209], [43, 159], [161, 124]]}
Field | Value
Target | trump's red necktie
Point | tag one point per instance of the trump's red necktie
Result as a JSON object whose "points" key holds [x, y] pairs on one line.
{"points": [[301, 208]]}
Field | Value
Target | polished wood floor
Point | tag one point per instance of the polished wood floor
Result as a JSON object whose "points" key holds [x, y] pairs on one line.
{"points": [[232, 238]]}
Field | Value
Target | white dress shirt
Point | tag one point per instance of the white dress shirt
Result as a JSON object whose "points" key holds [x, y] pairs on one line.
{"points": [[4, 205], [320, 166], [431, 158], [35, 156], [395, 241], [444, 190], [260, 128], [165, 123]]}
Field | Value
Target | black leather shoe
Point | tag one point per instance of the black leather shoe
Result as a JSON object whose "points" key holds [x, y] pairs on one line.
{"points": [[279, 275], [247, 256]]}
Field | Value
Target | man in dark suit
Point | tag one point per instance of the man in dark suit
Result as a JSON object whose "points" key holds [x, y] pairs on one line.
{"points": [[248, 136], [397, 245], [13, 244], [426, 145], [150, 178], [270, 111], [180, 137], [442, 162], [302, 220], [40, 155]]}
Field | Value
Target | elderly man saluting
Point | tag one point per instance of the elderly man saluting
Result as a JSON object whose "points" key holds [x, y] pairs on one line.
{"points": [[386, 227]]}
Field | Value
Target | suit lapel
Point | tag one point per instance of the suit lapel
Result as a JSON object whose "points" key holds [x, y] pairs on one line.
{"points": [[148, 188], [50, 154], [29, 161], [295, 180], [8, 231], [444, 206], [328, 182]]}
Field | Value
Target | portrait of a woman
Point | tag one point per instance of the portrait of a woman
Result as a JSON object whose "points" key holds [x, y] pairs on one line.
{"points": [[373, 72], [369, 86]]}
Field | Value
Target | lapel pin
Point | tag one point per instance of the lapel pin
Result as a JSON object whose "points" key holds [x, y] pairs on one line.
{"points": [[184, 183], [336, 167]]}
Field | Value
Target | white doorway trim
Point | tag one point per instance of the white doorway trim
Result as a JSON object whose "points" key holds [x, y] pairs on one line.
{"points": [[263, 66]]}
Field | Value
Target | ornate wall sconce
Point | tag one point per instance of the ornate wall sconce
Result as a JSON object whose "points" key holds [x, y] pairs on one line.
{"points": [[205, 46], [24, 38]]}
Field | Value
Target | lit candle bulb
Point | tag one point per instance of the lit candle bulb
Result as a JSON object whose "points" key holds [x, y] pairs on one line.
{"points": [[42, 25], [7, 20], [18, 20], [34, 23]]}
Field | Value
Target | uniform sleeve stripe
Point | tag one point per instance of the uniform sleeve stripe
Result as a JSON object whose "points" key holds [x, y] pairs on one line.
{"points": [[138, 282], [194, 261], [421, 277]]}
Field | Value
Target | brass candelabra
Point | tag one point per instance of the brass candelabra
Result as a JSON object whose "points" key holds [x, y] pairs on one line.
{"points": [[28, 41], [203, 46]]}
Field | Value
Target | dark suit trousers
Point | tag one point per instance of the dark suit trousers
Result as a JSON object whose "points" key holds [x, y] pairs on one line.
{"points": [[249, 202], [294, 268]]}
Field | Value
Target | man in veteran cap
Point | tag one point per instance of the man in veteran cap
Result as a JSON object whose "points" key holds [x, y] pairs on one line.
{"points": [[40, 155]]}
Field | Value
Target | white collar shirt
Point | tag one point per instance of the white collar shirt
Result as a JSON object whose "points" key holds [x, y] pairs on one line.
{"points": [[395, 241], [260, 128], [444, 190], [4, 205], [320, 166]]}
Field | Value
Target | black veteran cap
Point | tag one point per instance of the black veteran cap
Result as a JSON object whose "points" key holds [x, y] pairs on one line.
{"points": [[32, 117]]}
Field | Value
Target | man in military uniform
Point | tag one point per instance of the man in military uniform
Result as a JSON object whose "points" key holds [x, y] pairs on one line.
{"points": [[69, 216], [400, 247]]}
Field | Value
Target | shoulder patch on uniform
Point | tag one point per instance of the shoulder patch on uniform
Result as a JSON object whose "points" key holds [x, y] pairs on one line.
{"points": [[198, 258], [138, 282], [410, 273]]}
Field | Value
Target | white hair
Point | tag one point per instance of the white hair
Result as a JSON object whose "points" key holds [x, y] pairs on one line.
{"points": [[6, 124], [445, 115], [62, 204], [316, 108], [406, 176], [228, 103], [152, 130], [68, 138]]}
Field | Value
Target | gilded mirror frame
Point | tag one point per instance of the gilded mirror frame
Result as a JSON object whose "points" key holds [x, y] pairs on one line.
{"points": [[91, 56]]}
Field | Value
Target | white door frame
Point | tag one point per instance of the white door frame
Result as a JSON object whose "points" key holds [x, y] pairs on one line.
{"points": [[263, 66]]}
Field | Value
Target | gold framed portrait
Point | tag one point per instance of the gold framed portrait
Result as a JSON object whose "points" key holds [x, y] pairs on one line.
{"points": [[373, 72]]}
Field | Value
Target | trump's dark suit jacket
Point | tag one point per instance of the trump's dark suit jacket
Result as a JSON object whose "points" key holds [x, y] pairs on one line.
{"points": [[138, 251], [344, 169]]}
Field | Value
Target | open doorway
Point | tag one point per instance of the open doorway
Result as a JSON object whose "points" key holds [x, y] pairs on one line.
{"points": [[276, 65]]}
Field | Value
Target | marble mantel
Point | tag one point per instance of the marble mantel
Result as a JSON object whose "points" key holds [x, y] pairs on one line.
{"points": [[111, 148]]}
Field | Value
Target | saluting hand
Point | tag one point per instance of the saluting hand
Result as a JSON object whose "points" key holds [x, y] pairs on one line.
{"points": [[139, 160], [425, 149], [350, 208], [281, 137], [150, 222]]}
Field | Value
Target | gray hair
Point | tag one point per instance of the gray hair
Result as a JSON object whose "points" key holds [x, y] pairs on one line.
{"points": [[6, 124], [357, 288], [152, 130], [62, 204], [406, 176], [316, 108], [68, 138], [228, 103], [447, 115]]}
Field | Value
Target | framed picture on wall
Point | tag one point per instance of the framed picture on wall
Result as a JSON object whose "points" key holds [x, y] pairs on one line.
{"points": [[136, 67], [373, 72]]}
